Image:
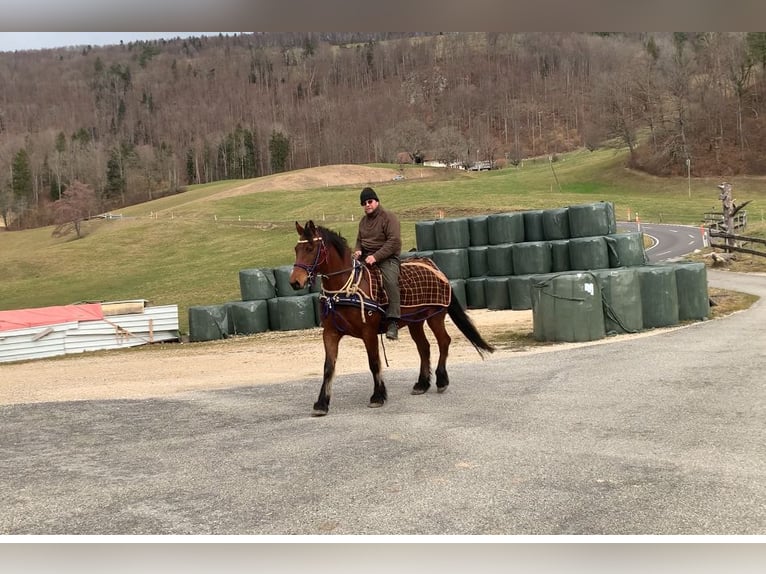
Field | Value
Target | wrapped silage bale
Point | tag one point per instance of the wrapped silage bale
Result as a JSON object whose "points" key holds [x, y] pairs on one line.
{"points": [[257, 284], [592, 219], [452, 262], [626, 249], [531, 257], [248, 317], [500, 259], [693, 297], [560, 255], [533, 225], [475, 295], [520, 291], [425, 239], [556, 223], [452, 233], [292, 313], [588, 253], [477, 261], [567, 307], [659, 295], [458, 291], [496, 293], [208, 323], [505, 228], [283, 287], [477, 229], [621, 294]]}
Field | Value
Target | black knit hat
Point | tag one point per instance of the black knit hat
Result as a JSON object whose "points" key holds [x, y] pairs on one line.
{"points": [[368, 193]]}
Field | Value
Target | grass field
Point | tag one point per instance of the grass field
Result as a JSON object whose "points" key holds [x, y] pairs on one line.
{"points": [[188, 249]]}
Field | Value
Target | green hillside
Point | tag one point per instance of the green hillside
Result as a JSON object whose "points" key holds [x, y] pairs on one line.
{"points": [[188, 249]]}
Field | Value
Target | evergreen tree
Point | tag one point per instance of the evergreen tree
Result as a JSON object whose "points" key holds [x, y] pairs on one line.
{"points": [[115, 181], [21, 183], [279, 149]]}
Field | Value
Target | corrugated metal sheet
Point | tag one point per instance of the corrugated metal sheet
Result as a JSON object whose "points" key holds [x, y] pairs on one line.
{"points": [[152, 325]]}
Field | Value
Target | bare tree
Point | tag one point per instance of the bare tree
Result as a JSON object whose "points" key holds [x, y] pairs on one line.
{"points": [[78, 203]]}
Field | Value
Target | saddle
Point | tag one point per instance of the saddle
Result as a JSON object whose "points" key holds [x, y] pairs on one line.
{"points": [[421, 284]]}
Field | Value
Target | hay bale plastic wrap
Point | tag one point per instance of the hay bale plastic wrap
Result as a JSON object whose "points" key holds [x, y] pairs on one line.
{"points": [[496, 293], [452, 233], [588, 253], [520, 291], [257, 284], [567, 307], [208, 323], [592, 219], [621, 294], [659, 295], [500, 259], [248, 317], [505, 228], [475, 295], [284, 289], [626, 249], [477, 229], [560, 255], [458, 291], [531, 257], [452, 262], [533, 225], [693, 297], [556, 223], [292, 313], [477, 261], [425, 240]]}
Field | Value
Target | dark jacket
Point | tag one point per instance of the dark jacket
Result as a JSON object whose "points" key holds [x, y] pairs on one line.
{"points": [[379, 235]]}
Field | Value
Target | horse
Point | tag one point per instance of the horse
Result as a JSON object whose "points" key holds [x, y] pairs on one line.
{"points": [[353, 303]]}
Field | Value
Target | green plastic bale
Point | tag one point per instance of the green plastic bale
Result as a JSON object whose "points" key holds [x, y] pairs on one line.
{"points": [[458, 291], [452, 233], [659, 295], [520, 291], [248, 317], [621, 295], [626, 249], [257, 284], [475, 294], [556, 223], [533, 225], [208, 323], [567, 307], [452, 262], [317, 308], [404, 255], [284, 289], [292, 313], [496, 293], [588, 253], [477, 261], [592, 219], [693, 296], [531, 257], [560, 255], [477, 229], [505, 228], [425, 239], [500, 259]]}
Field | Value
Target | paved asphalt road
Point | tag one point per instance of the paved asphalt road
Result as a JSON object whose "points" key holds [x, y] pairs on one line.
{"points": [[661, 434]]}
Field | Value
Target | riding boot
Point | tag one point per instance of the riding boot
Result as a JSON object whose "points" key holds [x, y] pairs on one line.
{"points": [[392, 332]]}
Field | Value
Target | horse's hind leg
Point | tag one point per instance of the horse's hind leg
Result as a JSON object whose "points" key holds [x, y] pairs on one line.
{"points": [[379, 394], [443, 340], [424, 350], [331, 339]]}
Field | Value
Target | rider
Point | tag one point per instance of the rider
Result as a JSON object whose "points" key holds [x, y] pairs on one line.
{"points": [[379, 241]]}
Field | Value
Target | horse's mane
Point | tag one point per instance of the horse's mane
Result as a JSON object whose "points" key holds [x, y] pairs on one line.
{"points": [[333, 238]]}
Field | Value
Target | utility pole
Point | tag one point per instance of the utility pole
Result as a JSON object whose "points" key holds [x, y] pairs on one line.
{"points": [[689, 175]]}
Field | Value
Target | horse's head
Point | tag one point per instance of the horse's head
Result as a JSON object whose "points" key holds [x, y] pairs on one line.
{"points": [[310, 252]]}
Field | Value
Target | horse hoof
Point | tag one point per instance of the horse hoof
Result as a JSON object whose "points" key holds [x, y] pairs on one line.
{"points": [[375, 405], [418, 390], [441, 389], [318, 413]]}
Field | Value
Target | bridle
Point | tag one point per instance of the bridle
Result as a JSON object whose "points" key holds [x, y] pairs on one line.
{"points": [[319, 258]]}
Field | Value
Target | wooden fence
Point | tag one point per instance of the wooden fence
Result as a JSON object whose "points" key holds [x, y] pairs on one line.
{"points": [[741, 240]]}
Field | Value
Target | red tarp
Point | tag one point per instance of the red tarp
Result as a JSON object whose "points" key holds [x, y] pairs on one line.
{"points": [[24, 318]]}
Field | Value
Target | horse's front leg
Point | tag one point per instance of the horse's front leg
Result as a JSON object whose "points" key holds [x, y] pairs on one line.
{"points": [[379, 394], [424, 350], [331, 338]]}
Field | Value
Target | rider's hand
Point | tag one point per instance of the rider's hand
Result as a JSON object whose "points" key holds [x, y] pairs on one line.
{"points": [[356, 254], [370, 260]]}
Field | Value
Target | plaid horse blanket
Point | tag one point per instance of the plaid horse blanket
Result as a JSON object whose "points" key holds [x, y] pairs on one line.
{"points": [[421, 284]]}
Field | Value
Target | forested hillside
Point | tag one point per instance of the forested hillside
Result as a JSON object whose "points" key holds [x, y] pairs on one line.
{"points": [[139, 120]]}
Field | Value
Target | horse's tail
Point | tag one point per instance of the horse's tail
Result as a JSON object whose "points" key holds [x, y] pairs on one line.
{"points": [[466, 326]]}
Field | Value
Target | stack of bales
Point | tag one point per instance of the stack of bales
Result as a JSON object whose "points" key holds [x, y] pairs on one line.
{"points": [[268, 303], [581, 278]]}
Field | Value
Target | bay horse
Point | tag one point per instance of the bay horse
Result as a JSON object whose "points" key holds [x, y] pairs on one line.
{"points": [[353, 303]]}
